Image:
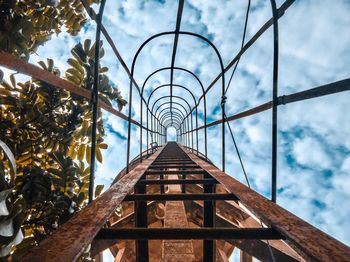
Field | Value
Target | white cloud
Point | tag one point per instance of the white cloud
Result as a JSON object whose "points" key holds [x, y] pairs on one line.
{"points": [[314, 50], [309, 152]]}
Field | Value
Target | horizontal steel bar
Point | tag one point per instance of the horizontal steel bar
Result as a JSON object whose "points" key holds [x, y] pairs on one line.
{"points": [[173, 163], [172, 166], [173, 160], [189, 233], [328, 89], [174, 172], [173, 157], [195, 176], [176, 181], [12, 62], [71, 239], [179, 197], [247, 45], [308, 241]]}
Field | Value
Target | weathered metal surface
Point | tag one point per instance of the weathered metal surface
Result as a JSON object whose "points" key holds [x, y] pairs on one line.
{"points": [[141, 214], [69, 241], [98, 245], [175, 217], [179, 197], [177, 181], [172, 166], [172, 172], [189, 233], [257, 248], [244, 257], [209, 214], [310, 242]]}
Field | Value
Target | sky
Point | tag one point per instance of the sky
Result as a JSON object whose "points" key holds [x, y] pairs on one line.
{"points": [[313, 135]]}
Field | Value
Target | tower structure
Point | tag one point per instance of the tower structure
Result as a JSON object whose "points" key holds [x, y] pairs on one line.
{"points": [[178, 206]]}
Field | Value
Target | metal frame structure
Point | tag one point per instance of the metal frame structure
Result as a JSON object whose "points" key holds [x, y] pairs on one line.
{"points": [[186, 159], [306, 242]]}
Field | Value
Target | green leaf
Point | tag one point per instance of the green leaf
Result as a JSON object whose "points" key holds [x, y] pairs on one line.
{"points": [[73, 79], [42, 64], [75, 64], [98, 190], [50, 64], [87, 44], [75, 73], [103, 146], [102, 52], [13, 80], [103, 70]]}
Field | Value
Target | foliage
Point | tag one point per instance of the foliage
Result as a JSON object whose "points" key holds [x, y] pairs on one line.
{"points": [[81, 73], [49, 132], [25, 25]]}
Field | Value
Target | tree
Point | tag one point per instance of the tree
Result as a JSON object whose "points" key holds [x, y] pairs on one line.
{"points": [[25, 25], [47, 130]]}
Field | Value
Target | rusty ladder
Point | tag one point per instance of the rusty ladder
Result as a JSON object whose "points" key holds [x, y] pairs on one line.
{"points": [[173, 164], [174, 161]]}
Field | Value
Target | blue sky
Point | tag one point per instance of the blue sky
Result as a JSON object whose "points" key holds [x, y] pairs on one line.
{"points": [[314, 144]]}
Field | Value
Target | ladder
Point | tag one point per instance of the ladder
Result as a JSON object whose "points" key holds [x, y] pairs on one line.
{"points": [[174, 165]]}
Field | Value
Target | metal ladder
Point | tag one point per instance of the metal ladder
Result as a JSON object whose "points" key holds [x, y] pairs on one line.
{"points": [[174, 161]]}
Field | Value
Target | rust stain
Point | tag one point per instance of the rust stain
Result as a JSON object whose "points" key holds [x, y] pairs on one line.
{"points": [[311, 243], [69, 241]]}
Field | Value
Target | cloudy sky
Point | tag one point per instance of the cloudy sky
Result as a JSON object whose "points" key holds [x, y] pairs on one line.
{"points": [[314, 144]]}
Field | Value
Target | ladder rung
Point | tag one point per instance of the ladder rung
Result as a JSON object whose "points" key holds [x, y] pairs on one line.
{"points": [[173, 160], [169, 163], [189, 233], [176, 181], [179, 197], [174, 172], [172, 166]]}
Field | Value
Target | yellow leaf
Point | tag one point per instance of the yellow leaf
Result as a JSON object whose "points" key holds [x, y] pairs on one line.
{"points": [[13, 80], [103, 146], [88, 154], [98, 155], [98, 190], [81, 152], [87, 44]]}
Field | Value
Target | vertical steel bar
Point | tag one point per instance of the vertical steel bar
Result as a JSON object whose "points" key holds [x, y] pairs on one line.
{"points": [[147, 132], [176, 39], [129, 128], [162, 190], [141, 127], [274, 101], [209, 221], [205, 127], [94, 100], [197, 131], [188, 131], [141, 221], [157, 130], [185, 130], [192, 132], [223, 127]]}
